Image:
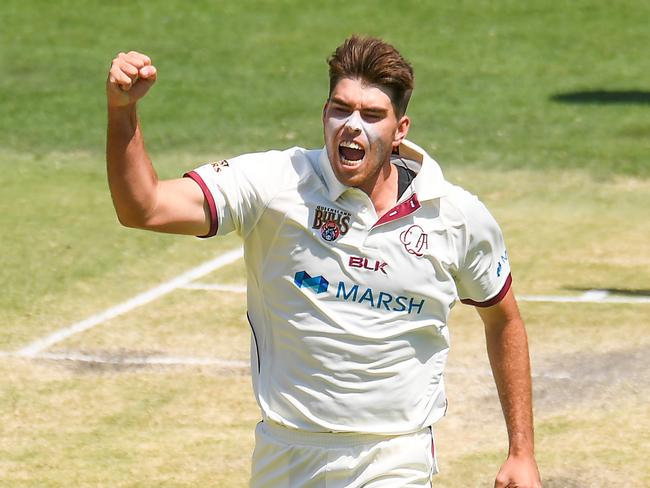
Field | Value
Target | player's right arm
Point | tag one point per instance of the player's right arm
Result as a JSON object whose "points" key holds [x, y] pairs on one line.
{"points": [[141, 200]]}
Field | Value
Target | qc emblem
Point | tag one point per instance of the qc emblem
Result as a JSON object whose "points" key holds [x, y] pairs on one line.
{"points": [[415, 240], [331, 222]]}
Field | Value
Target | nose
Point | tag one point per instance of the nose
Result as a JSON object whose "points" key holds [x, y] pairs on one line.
{"points": [[351, 131], [353, 124]]}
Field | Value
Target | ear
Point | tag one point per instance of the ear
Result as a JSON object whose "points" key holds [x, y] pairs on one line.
{"points": [[325, 108], [403, 125]]}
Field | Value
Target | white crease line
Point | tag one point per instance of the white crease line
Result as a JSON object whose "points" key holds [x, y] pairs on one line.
{"points": [[597, 295], [215, 287], [581, 299], [590, 296], [486, 372], [143, 360], [41, 344]]}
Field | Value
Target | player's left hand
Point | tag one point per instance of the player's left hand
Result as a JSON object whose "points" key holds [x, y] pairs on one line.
{"points": [[518, 472]]}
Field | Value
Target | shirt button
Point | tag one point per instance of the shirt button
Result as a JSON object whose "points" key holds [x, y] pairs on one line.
{"points": [[364, 209]]}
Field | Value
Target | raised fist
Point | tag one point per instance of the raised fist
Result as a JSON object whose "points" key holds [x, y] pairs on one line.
{"points": [[129, 79]]}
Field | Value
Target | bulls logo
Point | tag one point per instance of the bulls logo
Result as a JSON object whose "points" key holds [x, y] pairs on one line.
{"points": [[331, 222], [415, 240], [330, 231]]}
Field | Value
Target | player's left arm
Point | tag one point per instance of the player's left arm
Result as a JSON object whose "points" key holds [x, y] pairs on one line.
{"points": [[507, 346]]}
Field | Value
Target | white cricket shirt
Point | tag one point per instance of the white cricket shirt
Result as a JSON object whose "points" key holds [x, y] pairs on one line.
{"points": [[348, 311]]}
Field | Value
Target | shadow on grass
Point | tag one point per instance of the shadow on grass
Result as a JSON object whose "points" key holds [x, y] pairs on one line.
{"points": [[616, 291], [604, 97]]}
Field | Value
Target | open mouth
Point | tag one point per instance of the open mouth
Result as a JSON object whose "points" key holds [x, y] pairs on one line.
{"points": [[351, 152]]}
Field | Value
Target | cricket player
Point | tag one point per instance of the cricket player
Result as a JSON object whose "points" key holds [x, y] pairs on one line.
{"points": [[355, 254]]}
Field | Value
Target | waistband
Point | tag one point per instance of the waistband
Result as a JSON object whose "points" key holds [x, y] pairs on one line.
{"points": [[327, 439]]}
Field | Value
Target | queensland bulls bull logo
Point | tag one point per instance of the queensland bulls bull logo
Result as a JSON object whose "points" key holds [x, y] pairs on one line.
{"points": [[330, 231], [331, 222]]}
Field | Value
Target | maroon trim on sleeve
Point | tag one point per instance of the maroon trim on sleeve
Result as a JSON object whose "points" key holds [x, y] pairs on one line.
{"points": [[494, 300], [214, 219]]}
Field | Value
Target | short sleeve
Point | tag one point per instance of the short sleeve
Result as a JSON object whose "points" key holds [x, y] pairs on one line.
{"points": [[237, 190], [483, 278]]}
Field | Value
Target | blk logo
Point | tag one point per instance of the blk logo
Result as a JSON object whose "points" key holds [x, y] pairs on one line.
{"points": [[415, 240], [365, 263], [317, 284]]}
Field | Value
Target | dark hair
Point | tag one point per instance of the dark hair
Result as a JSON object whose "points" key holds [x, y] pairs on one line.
{"points": [[375, 62]]}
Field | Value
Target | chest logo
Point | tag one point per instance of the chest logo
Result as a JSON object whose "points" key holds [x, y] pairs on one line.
{"points": [[331, 222], [365, 263], [415, 240]]}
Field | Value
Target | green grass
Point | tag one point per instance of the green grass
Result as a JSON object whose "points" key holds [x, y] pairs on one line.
{"points": [[484, 77], [250, 75], [568, 182]]}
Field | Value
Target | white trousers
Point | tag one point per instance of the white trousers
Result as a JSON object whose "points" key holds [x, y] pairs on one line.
{"points": [[286, 458]]}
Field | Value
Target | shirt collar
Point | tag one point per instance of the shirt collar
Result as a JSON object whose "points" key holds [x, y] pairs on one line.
{"points": [[334, 187], [428, 184]]}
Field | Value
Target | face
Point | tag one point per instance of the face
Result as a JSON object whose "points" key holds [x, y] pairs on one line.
{"points": [[361, 129]]}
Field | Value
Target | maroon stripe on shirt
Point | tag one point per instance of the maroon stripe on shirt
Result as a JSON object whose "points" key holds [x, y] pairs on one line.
{"points": [[214, 220], [494, 300], [401, 210]]}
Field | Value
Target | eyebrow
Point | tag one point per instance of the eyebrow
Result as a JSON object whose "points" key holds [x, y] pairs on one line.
{"points": [[373, 110]]}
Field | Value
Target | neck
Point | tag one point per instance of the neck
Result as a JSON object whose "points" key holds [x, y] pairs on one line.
{"points": [[383, 191]]}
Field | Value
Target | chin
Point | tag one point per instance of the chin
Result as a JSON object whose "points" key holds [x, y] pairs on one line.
{"points": [[349, 172]]}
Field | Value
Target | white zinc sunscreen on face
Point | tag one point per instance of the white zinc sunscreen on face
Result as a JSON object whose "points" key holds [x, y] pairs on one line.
{"points": [[354, 122]]}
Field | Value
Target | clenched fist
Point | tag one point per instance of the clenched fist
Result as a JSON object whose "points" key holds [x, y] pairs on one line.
{"points": [[129, 79]]}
